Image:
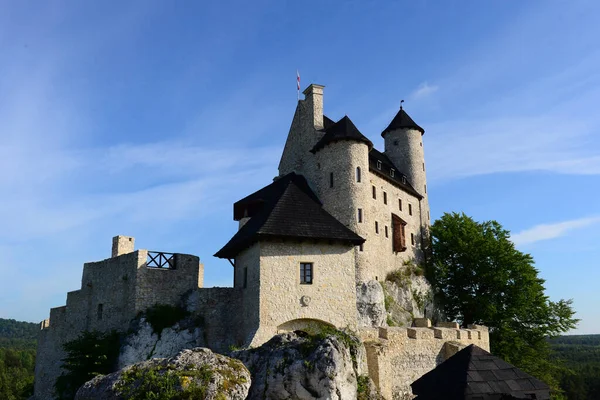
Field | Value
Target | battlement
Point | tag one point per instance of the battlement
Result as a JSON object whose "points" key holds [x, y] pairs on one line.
{"points": [[399, 355]]}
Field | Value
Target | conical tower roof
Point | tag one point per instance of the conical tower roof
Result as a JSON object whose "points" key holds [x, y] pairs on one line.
{"points": [[402, 121], [344, 129]]}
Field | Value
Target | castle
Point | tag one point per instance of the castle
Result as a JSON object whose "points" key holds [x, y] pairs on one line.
{"points": [[339, 218]]}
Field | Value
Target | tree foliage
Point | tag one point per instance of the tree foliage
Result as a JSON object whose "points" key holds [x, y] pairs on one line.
{"points": [[91, 354], [481, 278]]}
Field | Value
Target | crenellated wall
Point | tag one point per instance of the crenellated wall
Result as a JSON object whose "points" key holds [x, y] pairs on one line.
{"points": [[396, 357]]}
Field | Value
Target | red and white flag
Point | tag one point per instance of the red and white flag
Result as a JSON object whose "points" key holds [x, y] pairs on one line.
{"points": [[298, 79]]}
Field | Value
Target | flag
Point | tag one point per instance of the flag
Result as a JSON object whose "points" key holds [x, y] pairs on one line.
{"points": [[298, 80]]}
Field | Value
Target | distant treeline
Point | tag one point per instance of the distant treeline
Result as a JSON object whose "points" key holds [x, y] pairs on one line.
{"points": [[580, 355], [17, 358]]}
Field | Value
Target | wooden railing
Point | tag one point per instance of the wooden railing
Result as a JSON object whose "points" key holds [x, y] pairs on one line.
{"points": [[159, 259]]}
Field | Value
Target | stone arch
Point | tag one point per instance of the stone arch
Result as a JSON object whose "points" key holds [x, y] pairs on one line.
{"points": [[308, 325]]}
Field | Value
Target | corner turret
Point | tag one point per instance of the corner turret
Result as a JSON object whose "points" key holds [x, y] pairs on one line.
{"points": [[404, 147]]}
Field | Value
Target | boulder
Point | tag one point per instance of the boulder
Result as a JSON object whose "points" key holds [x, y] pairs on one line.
{"points": [[370, 302], [196, 373], [301, 366]]}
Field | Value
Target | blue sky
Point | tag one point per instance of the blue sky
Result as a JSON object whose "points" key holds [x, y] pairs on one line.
{"points": [[151, 118]]}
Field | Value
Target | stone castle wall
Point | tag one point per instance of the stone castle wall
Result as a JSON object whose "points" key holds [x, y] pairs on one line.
{"points": [[396, 357], [113, 292], [330, 298]]}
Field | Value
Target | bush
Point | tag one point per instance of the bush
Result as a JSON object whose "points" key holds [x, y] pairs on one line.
{"points": [[162, 316], [91, 354]]}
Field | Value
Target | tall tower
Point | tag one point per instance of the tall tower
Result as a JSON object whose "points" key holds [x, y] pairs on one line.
{"points": [[404, 147]]}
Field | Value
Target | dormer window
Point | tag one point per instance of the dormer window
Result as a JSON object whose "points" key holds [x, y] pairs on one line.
{"points": [[379, 165], [404, 180], [392, 172]]}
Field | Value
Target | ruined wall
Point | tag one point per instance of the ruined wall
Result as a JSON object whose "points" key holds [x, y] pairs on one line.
{"points": [[163, 285], [396, 357], [112, 293], [330, 298]]}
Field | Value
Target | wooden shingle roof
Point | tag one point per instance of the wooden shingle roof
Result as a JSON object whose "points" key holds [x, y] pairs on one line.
{"points": [[344, 129], [472, 374], [285, 209], [402, 120]]}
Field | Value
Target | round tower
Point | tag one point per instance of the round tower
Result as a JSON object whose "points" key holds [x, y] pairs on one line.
{"points": [[342, 170], [404, 147]]}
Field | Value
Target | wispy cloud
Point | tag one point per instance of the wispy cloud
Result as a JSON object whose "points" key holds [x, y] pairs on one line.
{"points": [[552, 231], [424, 90]]}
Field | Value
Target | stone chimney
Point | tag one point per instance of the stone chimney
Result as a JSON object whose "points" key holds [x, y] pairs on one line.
{"points": [[122, 245], [313, 99]]}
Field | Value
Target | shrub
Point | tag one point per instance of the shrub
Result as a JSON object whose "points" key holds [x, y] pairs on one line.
{"points": [[162, 316]]}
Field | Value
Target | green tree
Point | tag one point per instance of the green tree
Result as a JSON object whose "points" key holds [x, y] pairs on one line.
{"points": [[481, 278]]}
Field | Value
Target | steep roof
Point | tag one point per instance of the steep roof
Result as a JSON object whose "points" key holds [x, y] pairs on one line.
{"points": [[402, 120], [399, 179], [474, 373], [344, 129], [287, 208]]}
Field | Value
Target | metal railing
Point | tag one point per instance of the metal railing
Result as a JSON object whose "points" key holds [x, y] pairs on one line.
{"points": [[159, 259]]}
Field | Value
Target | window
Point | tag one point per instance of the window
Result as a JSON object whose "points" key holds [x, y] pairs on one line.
{"points": [[331, 180], [100, 311], [374, 192], [410, 209], [428, 217], [378, 165], [400, 204], [392, 172], [384, 198], [386, 231], [376, 227], [306, 273], [412, 239], [421, 143], [398, 237], [245, 278], [425, 188], [360, 247], [404, 180], [358, 174], [423, 166], [359, 215]]}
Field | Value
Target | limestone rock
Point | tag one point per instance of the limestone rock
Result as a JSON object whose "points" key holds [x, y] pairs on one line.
{"points": [[370, 302], [144, 343], [195, 373], [412, 299], [299, 366]]}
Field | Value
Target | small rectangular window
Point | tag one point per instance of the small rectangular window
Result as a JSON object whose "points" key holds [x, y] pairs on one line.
{"points": [[392, 172], [358, 174], [360, 247], [384, 197], [376, 227], [359, 215], [410, 209], [374, 192], [412, 239], [423, 166], [245, 278], [386, 231], [425, 188], [306, 273], [400, 204], [331, 180], [379, 165], [100, 311]]}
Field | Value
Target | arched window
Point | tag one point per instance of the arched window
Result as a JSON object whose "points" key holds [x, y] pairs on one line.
{"points": [[357, 174]]}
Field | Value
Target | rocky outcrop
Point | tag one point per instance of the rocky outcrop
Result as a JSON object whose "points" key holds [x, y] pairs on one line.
{"points": [[300, 366], [370, 303], [196, 373], [407, 296], [144, 343]]}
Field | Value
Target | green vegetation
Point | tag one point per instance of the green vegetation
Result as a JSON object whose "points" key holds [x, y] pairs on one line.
{"points": [[165, 383], [402, 276], [580, 379], [162, 316], [480, 278], [17, 358], [91, 354]]}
